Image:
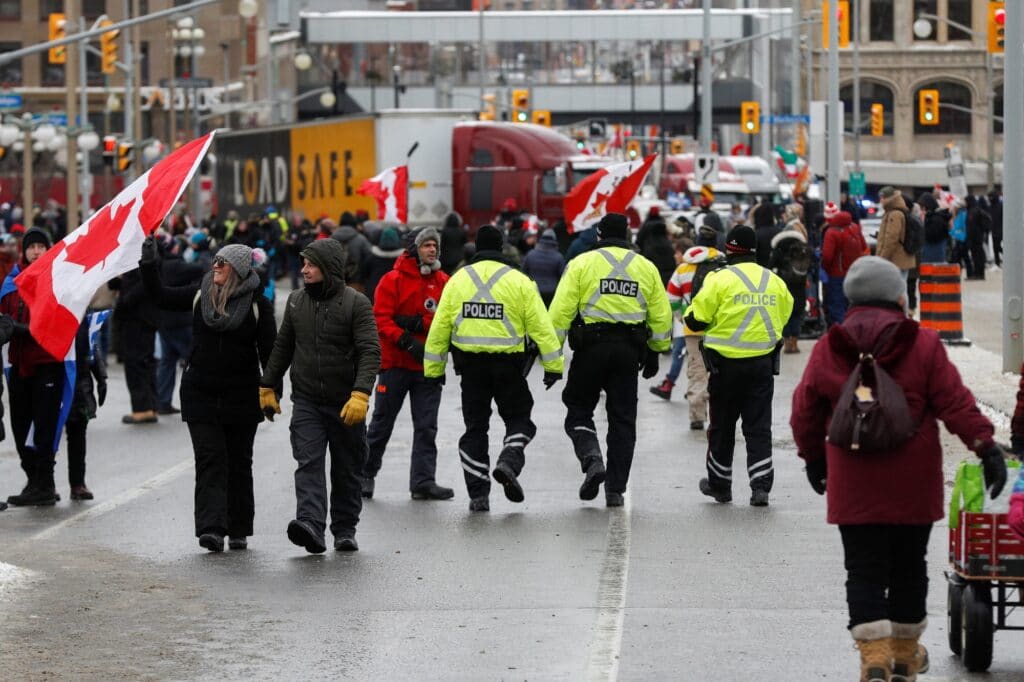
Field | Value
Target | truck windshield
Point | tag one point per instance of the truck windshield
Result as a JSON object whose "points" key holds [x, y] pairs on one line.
{"points": [[581, 174]]}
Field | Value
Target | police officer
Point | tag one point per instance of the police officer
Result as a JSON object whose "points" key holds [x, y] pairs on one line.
{"points": [[612, 306], [485, 313], [742, 309]]}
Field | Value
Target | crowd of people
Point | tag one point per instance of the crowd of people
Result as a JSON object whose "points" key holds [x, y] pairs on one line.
{"points": [[382, 309]]}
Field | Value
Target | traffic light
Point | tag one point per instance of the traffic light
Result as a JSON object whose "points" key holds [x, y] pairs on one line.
{"points": [[542, 117], [520, 106], [124, 156], [109, 150], [676, 146], [750, 117], [928, 107], [490, 108], [996, 27], [633, 149], [877, 120], [58, 55], [843, 12], [581, 141], [801, 140], [108, 49]]}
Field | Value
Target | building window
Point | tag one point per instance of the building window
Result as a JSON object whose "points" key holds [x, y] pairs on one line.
{"points": [[91, 9], [48, 7], [50, 74], [960, 12], [144, 63], [10, 73], [926, 7], [951, 121], [93, 69], [881, 20], [870, 93], [10, 10]]}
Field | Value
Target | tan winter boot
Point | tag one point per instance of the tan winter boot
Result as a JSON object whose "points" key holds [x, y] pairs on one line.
{"points": [[874, 640], [790, 346], [909, 657]]}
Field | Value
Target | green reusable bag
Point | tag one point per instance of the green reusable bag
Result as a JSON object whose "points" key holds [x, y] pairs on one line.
{"points": [[969, 490]]}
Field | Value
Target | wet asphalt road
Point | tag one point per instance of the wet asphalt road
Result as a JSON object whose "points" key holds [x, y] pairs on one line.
{"points": [[670, 587]]}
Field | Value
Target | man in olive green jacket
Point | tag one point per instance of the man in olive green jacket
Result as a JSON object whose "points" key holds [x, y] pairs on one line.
{"points": [[329, 339]]}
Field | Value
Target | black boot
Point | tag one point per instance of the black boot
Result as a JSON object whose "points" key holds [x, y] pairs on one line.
{"points": [[432, 491], [504, 475], [595, 476]]}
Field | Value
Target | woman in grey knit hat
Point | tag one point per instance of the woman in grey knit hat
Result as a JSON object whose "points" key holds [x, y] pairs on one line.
{"points": [[232, 335]]}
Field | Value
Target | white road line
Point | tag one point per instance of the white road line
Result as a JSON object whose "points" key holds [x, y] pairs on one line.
{"points": [[12, 576], [606, 643], [117, 501]]}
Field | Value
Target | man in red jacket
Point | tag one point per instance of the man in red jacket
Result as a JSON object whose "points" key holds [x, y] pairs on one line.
{"points": [[885, 503], [404, 304], [843, 244]]}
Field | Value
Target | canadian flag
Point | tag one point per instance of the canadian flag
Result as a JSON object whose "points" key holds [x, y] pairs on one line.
{"points": [[609, 190], [390, 188], [58, 286]]}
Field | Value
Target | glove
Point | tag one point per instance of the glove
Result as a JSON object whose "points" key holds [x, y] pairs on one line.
{"points": [[101, 391], [268, 403], [817, 473], [410, 323], [354, 411], [1017, 445], [650, 368], [21, 329], [550, 378], [1016, 516], [412, 346], [434, 381], [993, 462], [150, 254]]}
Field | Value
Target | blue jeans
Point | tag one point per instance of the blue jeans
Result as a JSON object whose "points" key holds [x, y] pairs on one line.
{"points": [[835, 300], [175, 344], [678, 348]]}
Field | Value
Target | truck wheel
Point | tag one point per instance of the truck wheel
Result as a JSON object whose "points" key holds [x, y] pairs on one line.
{"points": [[954, 616], [976, 642]]}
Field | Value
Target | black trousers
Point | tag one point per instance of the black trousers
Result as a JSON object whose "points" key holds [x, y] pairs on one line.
{"points": [[886, 572], [741, 389], [35, 406], [223, 495], [609, 366], [75, 429], [497, 377], [137, 339], [314, 429], [977, 248], [424, 400]]}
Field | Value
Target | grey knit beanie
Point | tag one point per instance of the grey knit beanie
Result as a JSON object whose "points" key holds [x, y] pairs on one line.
{"points": [[425, 234], [239, 257], [874, 280]]}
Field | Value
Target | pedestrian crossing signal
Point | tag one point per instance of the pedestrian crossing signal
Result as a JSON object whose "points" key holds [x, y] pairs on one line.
{"points": [[842, 14], [124, 156], [928, 107], [750, 117], [633, 149], [877, 120], [996, 27]]}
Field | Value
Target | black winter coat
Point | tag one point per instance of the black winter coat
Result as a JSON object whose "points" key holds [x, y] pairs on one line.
{"points": [[453, 247], [84, 404], [221, 381]]}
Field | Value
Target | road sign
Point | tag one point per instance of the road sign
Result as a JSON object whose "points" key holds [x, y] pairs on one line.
{"points": [[706, 169], [857, 185], [188, 83], [597, 128], [9, 101], [788, 118]]}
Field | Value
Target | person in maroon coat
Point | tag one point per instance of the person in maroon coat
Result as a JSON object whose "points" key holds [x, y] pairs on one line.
{"points": [[885, 504], [404, 304]]}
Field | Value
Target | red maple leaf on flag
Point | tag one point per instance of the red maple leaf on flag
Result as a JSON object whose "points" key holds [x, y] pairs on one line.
{"points": [[101, 240]]}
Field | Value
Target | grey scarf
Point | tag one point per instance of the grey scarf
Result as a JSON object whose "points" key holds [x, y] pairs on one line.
{"points": [[237, 308]]}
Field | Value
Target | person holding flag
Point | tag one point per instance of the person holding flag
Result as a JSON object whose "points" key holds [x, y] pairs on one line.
{"points": [[611, 305]]}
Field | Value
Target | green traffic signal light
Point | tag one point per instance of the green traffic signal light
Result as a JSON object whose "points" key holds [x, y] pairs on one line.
{"points": [[580, 144], [521, 116]]}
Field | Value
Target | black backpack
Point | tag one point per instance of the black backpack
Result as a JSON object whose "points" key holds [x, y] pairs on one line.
{"points": [[913, 234], [704, 268]]}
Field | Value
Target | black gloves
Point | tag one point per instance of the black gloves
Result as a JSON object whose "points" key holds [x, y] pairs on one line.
{"points": [[434, 381], [650, 364], [6, 328], [410, 323], [150, 254], [21, 329], [993, 462], [101, 391], [817, 472], [1017, 445], [550, 378], [412, 346]]}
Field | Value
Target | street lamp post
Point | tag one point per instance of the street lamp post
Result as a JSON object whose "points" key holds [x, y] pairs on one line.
{"points": [[1013, 175], [396, 72]]}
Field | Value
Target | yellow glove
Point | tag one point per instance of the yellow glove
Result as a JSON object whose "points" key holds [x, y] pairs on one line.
{"points": [[268, 403], [355, 409]]}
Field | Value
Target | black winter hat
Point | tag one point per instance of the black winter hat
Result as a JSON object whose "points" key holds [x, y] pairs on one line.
{"points": [[489, 238], [613, 226], [741, 239], [36, 235]]}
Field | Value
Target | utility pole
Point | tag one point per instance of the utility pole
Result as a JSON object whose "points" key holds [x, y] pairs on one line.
{"points": [[85, 181], [834, 123], [794, 62], [71, 15], [134, 95], [705, 80], [1013, 176], [855, 29]]}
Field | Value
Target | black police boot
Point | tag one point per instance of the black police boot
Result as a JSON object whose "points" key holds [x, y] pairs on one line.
{"points": [[718, 494], [346, 544], [504, 475], [366, 486], [303, 535], [593, 479], [479, 504], [212, 541], [759, 498], [238, 543], [613, 499], [432, 491], [17, 500]]}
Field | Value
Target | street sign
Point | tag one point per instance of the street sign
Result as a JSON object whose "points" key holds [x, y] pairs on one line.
{"points": [[9, 101], [706, 169], [597, 128], [955, 171], [858, 187], [787, 118], [187, 83]]}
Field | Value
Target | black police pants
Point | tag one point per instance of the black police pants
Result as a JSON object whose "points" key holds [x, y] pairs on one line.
{"points": [[741, 389], [424, 400], [609, 366], [35, 406], [223, 496], [497, 377], [886, 572], [314, 429], [137, 347]]}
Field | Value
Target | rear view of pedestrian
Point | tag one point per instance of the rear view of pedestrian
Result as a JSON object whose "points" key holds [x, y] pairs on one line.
{"points": [[232, 335], [885, 501], [545, 265]]}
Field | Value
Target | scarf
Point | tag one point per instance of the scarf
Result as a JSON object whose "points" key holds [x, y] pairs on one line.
{"points": [[237, 308]]}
